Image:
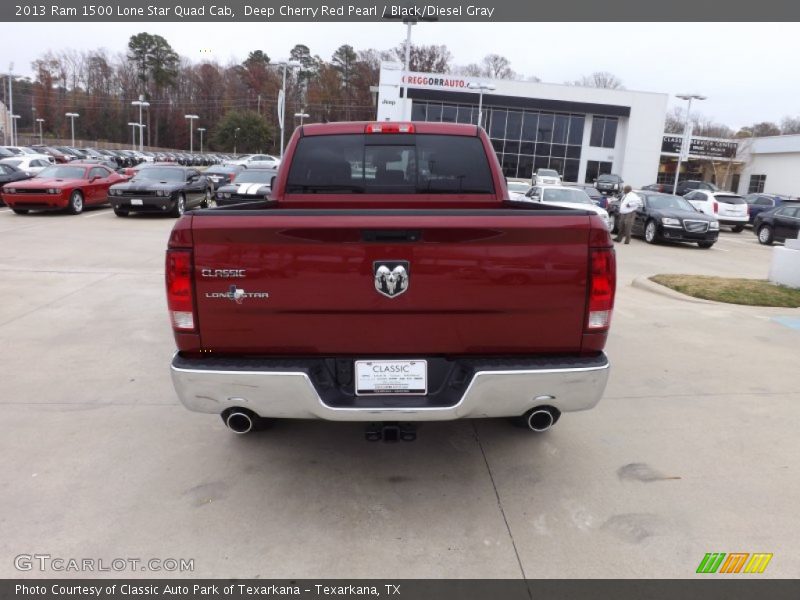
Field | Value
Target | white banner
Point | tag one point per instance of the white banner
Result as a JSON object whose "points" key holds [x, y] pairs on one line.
{"points": [[281, 102]]}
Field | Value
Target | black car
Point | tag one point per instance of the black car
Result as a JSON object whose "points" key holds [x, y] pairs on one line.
{"points": [[249, 185], [758, 203], [220, 175], [608, 184], [671, 218], [779, 224], [684, 187], [168, 190], [8, 174]]}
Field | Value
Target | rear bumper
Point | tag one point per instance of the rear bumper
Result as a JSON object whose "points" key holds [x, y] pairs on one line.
{"points": [[495, 388]]}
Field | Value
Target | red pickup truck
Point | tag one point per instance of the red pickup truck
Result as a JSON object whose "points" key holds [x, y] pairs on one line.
{"points": [[387, 278]]}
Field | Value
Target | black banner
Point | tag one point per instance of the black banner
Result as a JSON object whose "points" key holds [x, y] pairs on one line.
{"points": [[671, 144], [264, 11], [708, 587]]}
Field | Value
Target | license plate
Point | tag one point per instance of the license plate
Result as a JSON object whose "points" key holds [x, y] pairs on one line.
{"points": [[136, 202], [406, 377]]}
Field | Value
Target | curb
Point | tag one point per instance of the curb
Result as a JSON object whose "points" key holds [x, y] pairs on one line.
{"points": [[644, 283]]}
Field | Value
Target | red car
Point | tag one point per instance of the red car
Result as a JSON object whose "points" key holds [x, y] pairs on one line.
{"points": [[70, 187], [387, 278]]}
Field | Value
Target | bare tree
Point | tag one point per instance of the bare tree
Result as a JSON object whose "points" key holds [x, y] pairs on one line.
{"points": [[790, 125], [600, 79]]}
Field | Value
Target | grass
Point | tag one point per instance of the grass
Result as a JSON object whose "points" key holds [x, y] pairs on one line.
{"points": [[750, 292]]}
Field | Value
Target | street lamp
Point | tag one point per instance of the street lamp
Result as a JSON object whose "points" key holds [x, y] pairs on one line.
{"points": [[301, 116], [235, 135], [141, 104], [480, 87], [72, 116], [687, 135], [409, 23], [14, 127], [282, 96], [133, 125], [201, 130], [11, 102], [191, 131], [41, 126]]}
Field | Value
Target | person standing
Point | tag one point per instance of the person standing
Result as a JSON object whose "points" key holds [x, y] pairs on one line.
{"points": [[627, 213]]}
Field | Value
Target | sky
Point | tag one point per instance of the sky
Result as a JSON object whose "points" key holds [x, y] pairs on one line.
{"points": [[747, 70]]}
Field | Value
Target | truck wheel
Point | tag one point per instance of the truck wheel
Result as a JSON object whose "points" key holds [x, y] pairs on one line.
{"points": [[765, 235], [180, 206], [651, 232], [75, 206]]}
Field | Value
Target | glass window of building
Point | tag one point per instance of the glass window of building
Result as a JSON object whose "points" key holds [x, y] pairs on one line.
{"points": [[595, 168], [756, 184], [449, 113], [604, 132]]}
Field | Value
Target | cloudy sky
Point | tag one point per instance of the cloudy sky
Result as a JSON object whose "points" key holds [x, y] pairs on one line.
{"points": [[747, 70]]}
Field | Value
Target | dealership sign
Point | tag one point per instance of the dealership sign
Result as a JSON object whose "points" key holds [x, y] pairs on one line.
{"points": [[427, 80], [701, 147]]}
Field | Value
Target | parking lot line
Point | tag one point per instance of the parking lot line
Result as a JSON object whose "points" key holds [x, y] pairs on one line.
{"points": [[95, 214]]}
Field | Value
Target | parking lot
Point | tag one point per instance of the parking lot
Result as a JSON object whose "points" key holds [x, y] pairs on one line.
{"points": [[693, 449]]}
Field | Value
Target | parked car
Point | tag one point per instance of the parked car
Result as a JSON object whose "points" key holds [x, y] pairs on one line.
{"points": [[687, 186], [778, 224], [664, 217], [32, 164], [258, 161], [59, 156], [517, 188], [72, 187], [220, 175], [249, 185], [9, 174], [608, 184], [730, 209], [546, 177], [598, 198], [662, 188], [347, 299], [156, 189], [758, 203], [567, 197]]}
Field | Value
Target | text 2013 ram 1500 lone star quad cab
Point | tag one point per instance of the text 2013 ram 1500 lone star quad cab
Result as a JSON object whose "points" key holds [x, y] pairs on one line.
{"points": [[388, 279]]}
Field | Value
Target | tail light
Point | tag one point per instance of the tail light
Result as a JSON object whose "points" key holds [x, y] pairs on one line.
{"points": [[180, 295], [390, 128], [716, 207], [602, 286]]}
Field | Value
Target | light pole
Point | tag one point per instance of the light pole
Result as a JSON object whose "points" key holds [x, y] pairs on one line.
{"points": [[685, 144], [11, 102], [41, 130], [301, 116], [282, 97], [133, 127], [141, 103], [480, 87], [14, 127], [200, 130], [192, 119], [235, 135], [72, 116]]}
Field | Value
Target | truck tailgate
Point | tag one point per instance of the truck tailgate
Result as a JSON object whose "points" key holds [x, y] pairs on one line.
{"points": [[480, 282]]}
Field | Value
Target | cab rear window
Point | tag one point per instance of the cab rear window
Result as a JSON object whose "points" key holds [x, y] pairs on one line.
{"points": [[389, 164]]}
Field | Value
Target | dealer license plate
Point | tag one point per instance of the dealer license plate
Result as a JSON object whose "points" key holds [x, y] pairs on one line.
{"points": [[136, 202], [408, 377]]}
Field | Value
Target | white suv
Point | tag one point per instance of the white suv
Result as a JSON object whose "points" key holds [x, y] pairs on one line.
{"points": [[730, 209], [256, 161], [567, 197], [546, 177]]}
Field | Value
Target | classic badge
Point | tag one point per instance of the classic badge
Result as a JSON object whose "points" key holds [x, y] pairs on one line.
{"points": [[391, 277]]}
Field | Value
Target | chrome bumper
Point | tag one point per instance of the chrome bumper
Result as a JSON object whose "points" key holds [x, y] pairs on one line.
{"points": [[291, 394]]}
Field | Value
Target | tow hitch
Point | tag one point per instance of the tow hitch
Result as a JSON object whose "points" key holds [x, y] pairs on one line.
{"points": [[391, 432]]}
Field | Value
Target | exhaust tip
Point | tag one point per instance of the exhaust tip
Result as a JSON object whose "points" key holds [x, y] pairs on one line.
{"points": [[239, 422], [540, 420]]}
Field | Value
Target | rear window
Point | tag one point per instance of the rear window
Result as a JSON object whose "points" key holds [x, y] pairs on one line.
{"points": [[390, 164], [730, 199]]}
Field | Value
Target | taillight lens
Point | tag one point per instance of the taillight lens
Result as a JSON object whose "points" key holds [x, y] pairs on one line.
{"points": [[180, 298], [602, 286], [716, 207]]}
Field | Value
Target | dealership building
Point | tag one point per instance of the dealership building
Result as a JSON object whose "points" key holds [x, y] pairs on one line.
{"points": [[582, 132], [578, 131]]}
